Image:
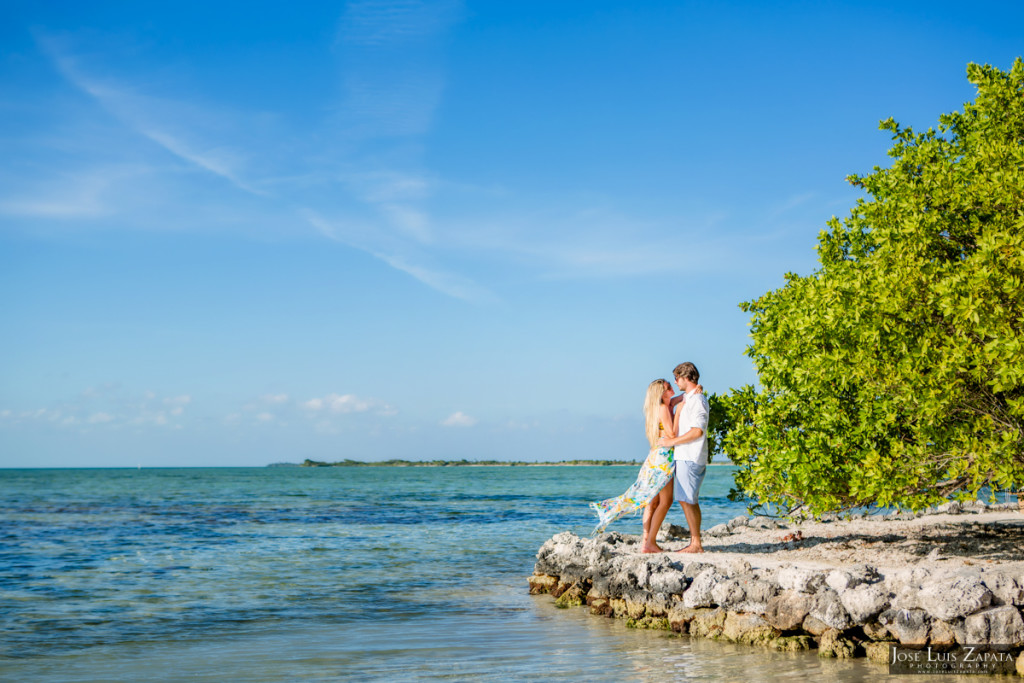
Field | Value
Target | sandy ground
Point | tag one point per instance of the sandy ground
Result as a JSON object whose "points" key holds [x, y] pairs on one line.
{"points": [[990, 539]]}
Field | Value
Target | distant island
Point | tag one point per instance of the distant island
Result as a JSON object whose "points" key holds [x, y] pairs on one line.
{"points": [[459, 463]]}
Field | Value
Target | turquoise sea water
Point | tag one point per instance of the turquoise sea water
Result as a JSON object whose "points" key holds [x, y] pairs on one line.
{"points": [[281, 574]]}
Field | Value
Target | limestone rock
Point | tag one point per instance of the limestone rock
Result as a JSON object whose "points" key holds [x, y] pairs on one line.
{"points": [[542, 584], [693, 569], [600, 606], [744, 593], [960, 631], [1006, 590], [568, 556], [792, 643], [906, 587], [878, 652], [636, 607], [679, 618], [800, 579], [842, 579], [749, 629], [834, 644], [658, 604], [864, 602], [699, 592], [911, 626], [718, 530], [669, 579], [573, 596], [676, 532], [728, 593], [875, 631], [649, 622], [761, 522], [737, 522], [708, 623], [787, 610], [998, 626], [954, 597], [828, 608], [814, 626], [942, 634]]}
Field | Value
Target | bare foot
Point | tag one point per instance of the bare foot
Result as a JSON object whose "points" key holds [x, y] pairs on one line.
{"points": [[651, 548], [692, 548]]}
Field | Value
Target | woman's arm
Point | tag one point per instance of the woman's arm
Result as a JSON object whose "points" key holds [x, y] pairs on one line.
{"points": [[668, 423]]}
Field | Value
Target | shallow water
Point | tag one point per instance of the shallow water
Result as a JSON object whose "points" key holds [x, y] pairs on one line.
{"points": [[273, 574]]}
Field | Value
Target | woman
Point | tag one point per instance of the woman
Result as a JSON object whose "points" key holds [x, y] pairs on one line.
{"points": [[652, 488]]}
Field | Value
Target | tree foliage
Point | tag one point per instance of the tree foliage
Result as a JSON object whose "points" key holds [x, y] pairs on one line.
{"points": [[893, 374]]}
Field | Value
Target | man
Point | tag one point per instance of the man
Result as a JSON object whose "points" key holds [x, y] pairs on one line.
{"points": [[691, 449]]}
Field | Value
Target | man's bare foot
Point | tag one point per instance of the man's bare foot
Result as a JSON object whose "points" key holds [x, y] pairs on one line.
{"points": [[651, 548], [692, 548]]}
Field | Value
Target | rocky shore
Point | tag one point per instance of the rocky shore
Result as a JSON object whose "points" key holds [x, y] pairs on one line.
{"points": [[847, 588]]}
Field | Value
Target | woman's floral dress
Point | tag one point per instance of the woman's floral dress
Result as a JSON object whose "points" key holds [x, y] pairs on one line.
{"points": [[657, 471]]}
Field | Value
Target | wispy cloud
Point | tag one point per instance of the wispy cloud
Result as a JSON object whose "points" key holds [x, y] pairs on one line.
{"points": [[165, 122], [385, 249], [342, 404], [458, 419], [106, 406], [376, 23], [67, 195], [358, 175], [327, 412]]}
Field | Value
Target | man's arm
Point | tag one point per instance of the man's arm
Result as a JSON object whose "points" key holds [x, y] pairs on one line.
{"points": [[692, 434], [692, 421]]}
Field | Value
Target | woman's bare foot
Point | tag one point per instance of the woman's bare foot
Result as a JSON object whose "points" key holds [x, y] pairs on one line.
{"points": [[692, 548], [651, 548]]}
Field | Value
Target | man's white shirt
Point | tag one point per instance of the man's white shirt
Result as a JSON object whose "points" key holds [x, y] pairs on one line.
{"points": [[694, 413]]}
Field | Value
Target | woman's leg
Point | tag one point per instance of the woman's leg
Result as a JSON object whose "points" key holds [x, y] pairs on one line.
{"points": [[664, 502], [648, 512]]}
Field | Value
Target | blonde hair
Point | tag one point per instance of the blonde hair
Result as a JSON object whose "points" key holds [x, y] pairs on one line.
{"points": [[652, 408]]}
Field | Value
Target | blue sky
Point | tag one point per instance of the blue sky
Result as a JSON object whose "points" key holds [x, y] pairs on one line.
{"points": [[243, 233]]}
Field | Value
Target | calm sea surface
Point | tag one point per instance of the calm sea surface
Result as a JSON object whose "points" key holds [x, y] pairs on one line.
{"points": [[282, 574]]}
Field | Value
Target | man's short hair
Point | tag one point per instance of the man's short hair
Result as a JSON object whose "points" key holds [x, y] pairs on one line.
{"points": [[687, 371]]}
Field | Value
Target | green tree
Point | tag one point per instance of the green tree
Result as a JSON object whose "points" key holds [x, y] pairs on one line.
{"points": [[893, 374]]}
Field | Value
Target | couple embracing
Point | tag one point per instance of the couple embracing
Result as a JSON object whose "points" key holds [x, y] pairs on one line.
{"points": [[677, 429]]}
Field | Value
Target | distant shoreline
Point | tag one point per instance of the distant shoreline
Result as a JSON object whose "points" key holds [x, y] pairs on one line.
{"points": [[465, 463]]}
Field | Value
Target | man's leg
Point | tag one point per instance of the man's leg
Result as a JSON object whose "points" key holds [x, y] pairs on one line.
{"points": [[689, 477], [692, 512]]}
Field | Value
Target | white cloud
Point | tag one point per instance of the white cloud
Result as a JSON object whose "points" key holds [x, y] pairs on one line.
{"points": [[67, 195], [346, 404], [377, 23], [275, 398], [169, 124], [108, 406], [339, 403], [458, 419], [265, 417]]}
